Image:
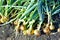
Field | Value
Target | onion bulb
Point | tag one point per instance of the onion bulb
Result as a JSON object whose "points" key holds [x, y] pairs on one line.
{"points": [[25, 32], [22, 27], [32, 32], [4, 19], [58, 30], [52, 27], [46, 30], [16, 22], [28, 32], [37, 32], [47, 25]]}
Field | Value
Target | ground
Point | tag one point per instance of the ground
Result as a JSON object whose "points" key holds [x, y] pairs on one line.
{"points": [[6, 33]]}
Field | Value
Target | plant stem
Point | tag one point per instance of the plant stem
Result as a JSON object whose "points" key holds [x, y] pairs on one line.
{"points": [[13, 6], [20, 14], [32, 1], [49, 16], [11, 20], [27, 11], [6, 11], [40, 12], [31, 15], [57, 11]]}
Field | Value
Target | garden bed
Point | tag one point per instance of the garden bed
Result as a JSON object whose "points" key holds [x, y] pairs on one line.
{"points": [[29, 19]]}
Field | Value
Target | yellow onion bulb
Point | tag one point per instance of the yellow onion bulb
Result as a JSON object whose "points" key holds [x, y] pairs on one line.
{"points": [[37, 32], [4, 19], [25, 32], [22, 27], [46, 30], [58, 30], [52, 27], [32, 32], [47, 25], [28, 32], [16, 22]]}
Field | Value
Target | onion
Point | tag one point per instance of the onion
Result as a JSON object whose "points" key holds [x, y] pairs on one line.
{"points": [[58, 30], [22, 27], [52, 27], [47, 25], [46, 30], [28, 32], [25, 32], [37, 32], [32, 32], [4, 19], [16, 22]]}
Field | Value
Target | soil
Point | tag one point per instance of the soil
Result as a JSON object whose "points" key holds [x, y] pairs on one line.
{"points": [[7, 33]]}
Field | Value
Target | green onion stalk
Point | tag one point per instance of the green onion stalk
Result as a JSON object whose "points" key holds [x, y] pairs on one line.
{"points": [[33, 18], [54, 10], [48, 13], [31, 3], [27, 11], [18, 15], [31, 15], [14, 5], [23, 21], [1, 2], [50, 23], [14, 14], [40, 12], [3, 15], [19, 21], [30, 25], [24, 14]]}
